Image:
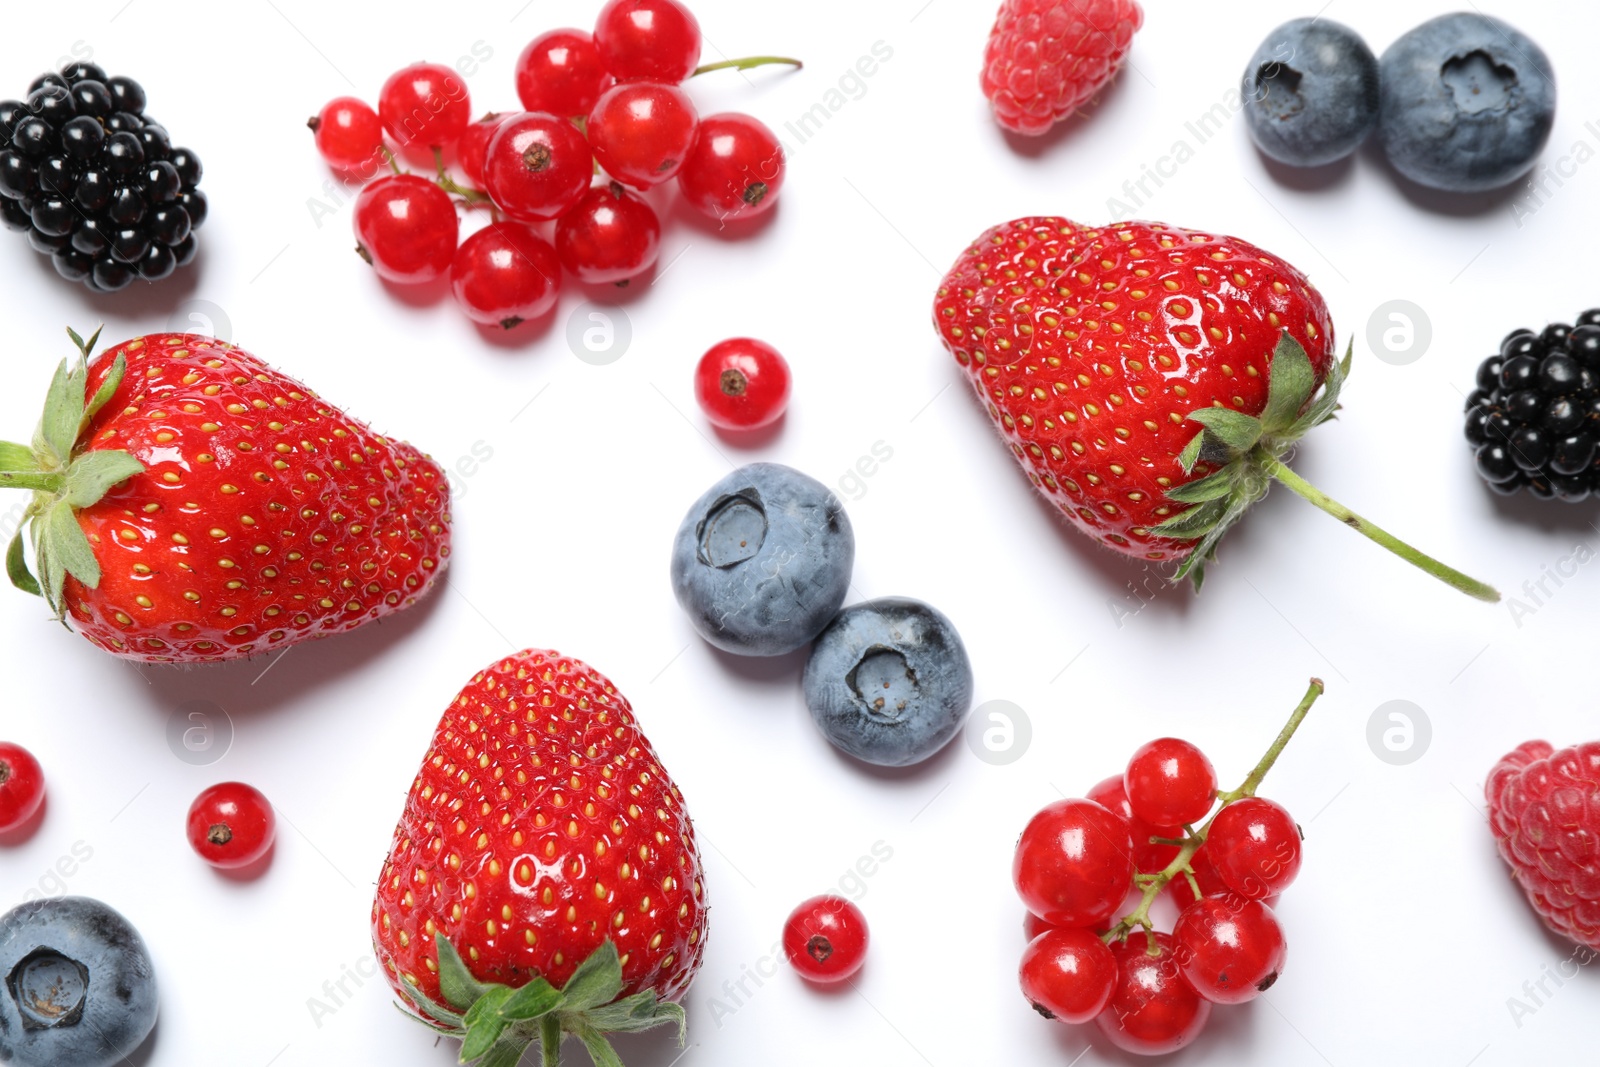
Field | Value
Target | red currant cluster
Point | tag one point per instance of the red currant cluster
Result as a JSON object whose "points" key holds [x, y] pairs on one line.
{"points": [[1078, 860], [605, 117]]}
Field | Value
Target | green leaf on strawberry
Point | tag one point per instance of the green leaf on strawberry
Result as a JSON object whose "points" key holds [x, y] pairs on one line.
{"points": [[500, 1023], [64, 478]]}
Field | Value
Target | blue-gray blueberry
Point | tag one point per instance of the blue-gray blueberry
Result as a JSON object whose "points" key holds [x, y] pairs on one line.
{"points": [[889, 681], [78, 985], [1467, 103], [762, 561], [1311, 92]]}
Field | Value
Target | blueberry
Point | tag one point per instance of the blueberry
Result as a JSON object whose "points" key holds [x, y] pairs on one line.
{"points": [[1468, 103], [78, 985], [1311, 92], [889, 681], [763, 560]]}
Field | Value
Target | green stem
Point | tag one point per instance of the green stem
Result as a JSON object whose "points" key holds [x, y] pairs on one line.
{"points": [[450, 185], [550, 1036], [748, 63], [1179, 867], [1448, 575], [44, 481]]}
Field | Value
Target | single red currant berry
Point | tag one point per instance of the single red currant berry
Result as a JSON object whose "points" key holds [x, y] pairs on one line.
{"points": [[648, 40], [1205, 876], [538, 166], [1074, 863], [560, 73], [472, 149], [1148, 858], [407, 229], [505, 274], [611, 235], [1230, 948], [1170, 783], [21, 786], [349, 135], [734, 169], [1068, 975], [1154, 1009], [641, 132], [742, 384], [826, 939], [1255, 845], [231, 825], [425, 106]]}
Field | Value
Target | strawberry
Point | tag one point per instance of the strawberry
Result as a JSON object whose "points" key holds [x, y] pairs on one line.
{"points": [[1544, 809], [1047, 58], [1150, 379], [544, 878], [192, 505]]}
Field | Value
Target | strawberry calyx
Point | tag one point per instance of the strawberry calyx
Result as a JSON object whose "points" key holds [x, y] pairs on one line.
{"points": [[497, 1024], [64, 478], [1245, 455]]}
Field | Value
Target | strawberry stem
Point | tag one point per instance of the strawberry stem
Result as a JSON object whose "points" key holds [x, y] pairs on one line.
{"points": [[1449, 575], [748, 63], [1179, 867]]}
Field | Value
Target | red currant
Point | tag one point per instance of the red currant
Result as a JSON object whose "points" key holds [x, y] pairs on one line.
{"points": [[1147, 858], [560, 73], [742, 384], [1205, 876], [472, 150], [1074, 863], [1170, 783], [505, 274], [425, 106], [1033, 926], [610, 236], [641, 132], [349, 135], [538, 166], [648, 40], [231, 825], [21, 786], [826, 939], [1068, 975], [734, 169], [1230, 948], [1154, 1009], [1255, 845], [407, 228]]}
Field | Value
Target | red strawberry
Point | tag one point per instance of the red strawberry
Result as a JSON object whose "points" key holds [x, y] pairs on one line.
{"points": [[544, 877], [1136, 369], [1046, 58], [191, 505], [1544, 809]]}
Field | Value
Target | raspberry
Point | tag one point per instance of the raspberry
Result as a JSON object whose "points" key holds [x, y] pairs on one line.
{"points": [[1544, 808], [1046, 58]]}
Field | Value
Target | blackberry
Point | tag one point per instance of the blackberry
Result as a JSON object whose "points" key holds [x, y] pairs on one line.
{"points": [[1534, 418], [95, 182]]}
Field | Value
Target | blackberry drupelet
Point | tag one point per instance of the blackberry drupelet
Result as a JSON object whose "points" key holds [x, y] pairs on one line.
{"points": [[95, 182], [1534, 418]]}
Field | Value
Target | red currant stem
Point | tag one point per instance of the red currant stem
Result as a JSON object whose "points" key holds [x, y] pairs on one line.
{"points": [[748, 63], [1154, 884], [450, 185], [389, 158], [1367, 528]]}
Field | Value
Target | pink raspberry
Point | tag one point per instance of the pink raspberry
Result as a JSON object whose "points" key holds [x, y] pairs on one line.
{"points": [[1544, 808], [1047, 57]]}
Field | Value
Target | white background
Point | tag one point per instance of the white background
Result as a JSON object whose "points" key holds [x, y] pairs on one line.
{"points": [[1407, 936]]}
